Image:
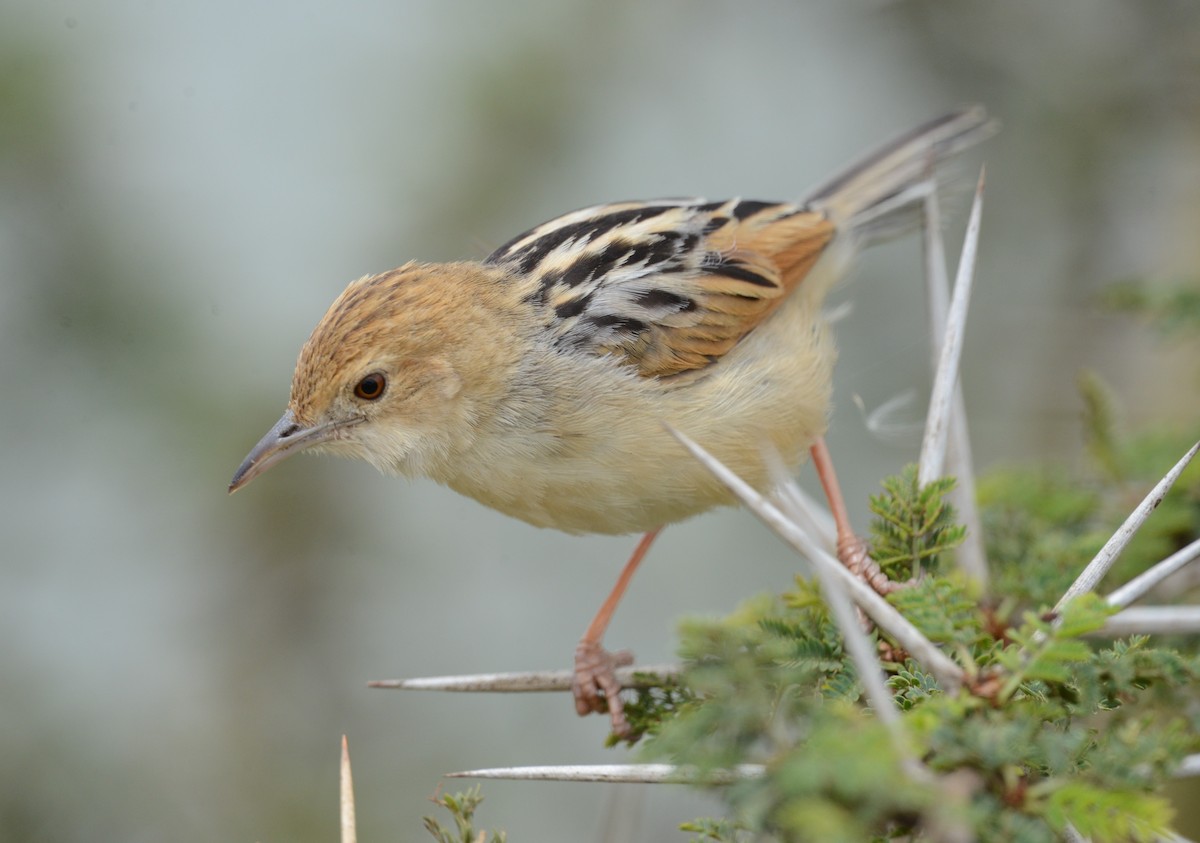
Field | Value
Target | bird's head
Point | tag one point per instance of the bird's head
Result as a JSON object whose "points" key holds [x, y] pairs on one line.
{"points": [[395, 373]]}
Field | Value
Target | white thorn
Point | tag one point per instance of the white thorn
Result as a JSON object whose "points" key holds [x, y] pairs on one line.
{"points": [[924, 651], [937, 423], [349, 830], [635, 773], [1098, 567], [534, 680], [800, 506], [1152, 620], [1140, 585], [970, 555]]}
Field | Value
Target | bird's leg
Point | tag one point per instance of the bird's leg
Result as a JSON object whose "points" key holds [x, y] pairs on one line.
{"points": [[594, 666], [851, 550]]}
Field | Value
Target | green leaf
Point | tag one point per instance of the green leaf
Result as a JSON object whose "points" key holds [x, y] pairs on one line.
{"points": [[462, 809], [1108, 816], [1083, 614], [943, 609], [913, 525]]}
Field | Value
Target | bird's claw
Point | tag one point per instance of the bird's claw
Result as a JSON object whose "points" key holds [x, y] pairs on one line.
{"points": [[595, 684]]}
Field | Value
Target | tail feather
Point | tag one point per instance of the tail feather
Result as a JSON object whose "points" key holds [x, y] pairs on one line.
{"points": [[869, 197]]}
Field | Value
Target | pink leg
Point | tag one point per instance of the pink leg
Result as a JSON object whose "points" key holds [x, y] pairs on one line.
{"points": [[851, 550], [594, 665]]}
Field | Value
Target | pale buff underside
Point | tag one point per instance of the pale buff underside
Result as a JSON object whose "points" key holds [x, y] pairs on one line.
{"points": [[606, 464]]}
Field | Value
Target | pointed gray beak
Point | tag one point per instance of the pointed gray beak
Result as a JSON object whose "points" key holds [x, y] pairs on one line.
{"points": [[284, 439]]}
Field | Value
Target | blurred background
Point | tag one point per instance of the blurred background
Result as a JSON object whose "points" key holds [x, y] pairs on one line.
{"points": [[184, 188]]}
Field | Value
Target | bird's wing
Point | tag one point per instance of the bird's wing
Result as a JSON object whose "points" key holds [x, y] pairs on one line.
{"points": [[669, 286]]}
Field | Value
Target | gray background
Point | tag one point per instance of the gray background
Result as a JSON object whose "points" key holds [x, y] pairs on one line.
{"points": [[184, 187]]}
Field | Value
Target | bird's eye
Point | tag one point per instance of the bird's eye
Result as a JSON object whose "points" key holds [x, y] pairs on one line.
{"points": [[370, 388]]}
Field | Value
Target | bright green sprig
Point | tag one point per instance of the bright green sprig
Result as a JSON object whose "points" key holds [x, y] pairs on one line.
{"points": [[913, 525], [462, 808]]}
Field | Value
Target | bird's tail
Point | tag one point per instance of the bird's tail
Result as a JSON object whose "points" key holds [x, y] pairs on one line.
{"points": [[870, 197]]}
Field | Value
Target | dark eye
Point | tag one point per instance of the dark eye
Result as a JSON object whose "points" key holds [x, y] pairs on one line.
{"points": [[371, 387]]}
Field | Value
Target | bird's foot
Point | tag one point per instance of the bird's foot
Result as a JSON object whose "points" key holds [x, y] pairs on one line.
{"points": [[595, 685], [854, 553]]}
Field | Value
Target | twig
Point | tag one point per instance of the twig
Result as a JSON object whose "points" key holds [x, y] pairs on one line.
{"points": [[633, 773], [1152, 620], [948, 674], [870, 671], [933, 448], [1104, 560], [859, 647], [536, 680], [1140, 585], [805, 511], [349, 832], [970, 556]]}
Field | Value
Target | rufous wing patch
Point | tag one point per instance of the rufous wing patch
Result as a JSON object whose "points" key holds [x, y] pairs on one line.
{"points": [[668, 286]]}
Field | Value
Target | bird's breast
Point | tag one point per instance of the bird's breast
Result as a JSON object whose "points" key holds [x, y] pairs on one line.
{"points": [[579, 442]]}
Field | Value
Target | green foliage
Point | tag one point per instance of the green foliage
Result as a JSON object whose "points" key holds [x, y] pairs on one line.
{"points": [[1174, 309], [1049, 652], [1039, 527], [462, 808], [944, 609], [650, 706], [1039, 523], [912, 525], [1107, 816], [1042, 525], [911, 686], [1053, 727], [714, 831], [750, 673]]}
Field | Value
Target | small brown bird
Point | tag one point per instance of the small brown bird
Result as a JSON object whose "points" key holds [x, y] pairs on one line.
{"points": [[538, 381]]}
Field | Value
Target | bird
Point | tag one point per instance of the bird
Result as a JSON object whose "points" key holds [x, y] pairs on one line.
{"points": [[544, 379]]}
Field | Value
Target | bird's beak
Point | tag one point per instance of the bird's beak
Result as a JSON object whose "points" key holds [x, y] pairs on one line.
{"points": [[284, 439]]}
